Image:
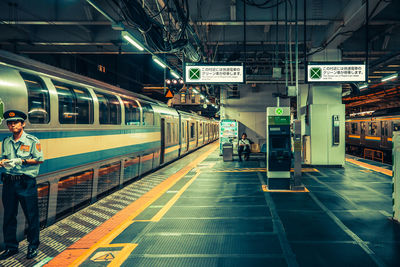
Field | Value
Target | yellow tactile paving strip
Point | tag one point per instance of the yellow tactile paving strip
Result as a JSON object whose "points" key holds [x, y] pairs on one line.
{"points": [[371, 167], [259, 170]]}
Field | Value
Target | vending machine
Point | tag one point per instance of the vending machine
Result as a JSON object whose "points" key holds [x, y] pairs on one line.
{"points": [[228, 134]]}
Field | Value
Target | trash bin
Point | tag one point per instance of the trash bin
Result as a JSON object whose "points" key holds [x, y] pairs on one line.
{"points": [[227, 151]]}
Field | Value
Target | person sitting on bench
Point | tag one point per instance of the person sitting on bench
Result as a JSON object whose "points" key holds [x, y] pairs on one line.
{"points": [[244, 147]]}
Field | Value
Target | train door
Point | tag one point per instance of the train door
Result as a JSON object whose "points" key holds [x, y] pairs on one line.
{"points": [[363, 127], [162, 140], [187, 136], [204, 132], [384, 133], [197, 134], [182, 137]]}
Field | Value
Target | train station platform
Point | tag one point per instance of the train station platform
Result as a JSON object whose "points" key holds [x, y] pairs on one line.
{"points": [[201, 211]]}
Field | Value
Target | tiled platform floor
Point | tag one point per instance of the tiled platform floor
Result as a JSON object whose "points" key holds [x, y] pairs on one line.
{"points": [[218, 215]]}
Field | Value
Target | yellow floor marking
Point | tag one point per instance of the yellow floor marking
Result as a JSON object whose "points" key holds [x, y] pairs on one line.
{"points": [[103, 242], [104, 256], [128, 221], [265, 189], [122, 255], [263, 170], [172, 201], [371, 167]]}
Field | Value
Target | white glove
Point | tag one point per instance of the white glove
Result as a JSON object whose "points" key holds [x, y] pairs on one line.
{"points": [[17, 161], [9, 164]]}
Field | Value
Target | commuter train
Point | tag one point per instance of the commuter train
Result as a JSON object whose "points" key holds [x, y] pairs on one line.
{"points": [[95, 137], [371, 136]]}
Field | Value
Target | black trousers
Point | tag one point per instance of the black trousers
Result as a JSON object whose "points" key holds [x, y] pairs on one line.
{"points": [[243, 150], [25, 192]]}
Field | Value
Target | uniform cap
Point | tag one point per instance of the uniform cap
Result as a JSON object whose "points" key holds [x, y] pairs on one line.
{"points": [[14, 115]]}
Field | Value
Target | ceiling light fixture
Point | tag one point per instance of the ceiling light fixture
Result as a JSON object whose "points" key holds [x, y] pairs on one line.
{"points": [[363, 86], [173, 73], [391, 77], [127, 36], [159, 62]]}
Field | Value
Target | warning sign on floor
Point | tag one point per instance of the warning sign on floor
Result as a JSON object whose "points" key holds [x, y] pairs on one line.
{"points": [[104, 256]]}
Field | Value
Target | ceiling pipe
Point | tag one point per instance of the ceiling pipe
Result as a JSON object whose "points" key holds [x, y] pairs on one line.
{"points": [[115, 23], [101, 11], [286, 45], [367, 38], [305, 32], [244, 36]]}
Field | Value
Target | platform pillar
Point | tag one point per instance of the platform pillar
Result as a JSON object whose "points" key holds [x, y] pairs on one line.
{"points": [[323, 118]]}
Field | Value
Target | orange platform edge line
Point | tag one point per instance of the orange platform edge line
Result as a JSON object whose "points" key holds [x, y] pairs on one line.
{"points": [[371, 167]]}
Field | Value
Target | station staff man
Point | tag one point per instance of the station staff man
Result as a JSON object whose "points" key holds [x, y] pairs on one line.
{"points": [[21, 156]]}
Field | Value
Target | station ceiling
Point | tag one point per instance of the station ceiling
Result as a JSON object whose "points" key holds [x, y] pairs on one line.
{"points": [[261, 33]]}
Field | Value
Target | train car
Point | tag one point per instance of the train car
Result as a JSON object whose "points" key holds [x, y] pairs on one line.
{"points": [[371, 136], [95, 137]]}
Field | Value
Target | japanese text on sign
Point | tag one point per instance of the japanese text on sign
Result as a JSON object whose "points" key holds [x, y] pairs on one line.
{"points": [[336, 73], [214, 74]]}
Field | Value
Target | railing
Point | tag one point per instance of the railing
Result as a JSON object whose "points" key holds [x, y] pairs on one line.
{"points": [[373, 154]]}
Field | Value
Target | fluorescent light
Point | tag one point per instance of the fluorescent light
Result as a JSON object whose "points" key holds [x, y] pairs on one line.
{"points": [[391, 77], [363, 86], [207, 101], [195, 91], [132, 40], [173, 73], [385, 71], [202, 96], [159, 62]]}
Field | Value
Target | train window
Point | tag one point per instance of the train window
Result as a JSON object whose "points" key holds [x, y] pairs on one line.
{"points": [[192, 131], [396, 126], [362, 128], [74, 191], [354, 128], [183, 98], [168, 133], [201, 129], [173, 132], [74, 103], [109, 109], [183, 131], [108, 177], [372, 128], [148, 114], [176, 133], [38, 99], [384, 128], [132, 112], [131, 168], [43, 202]]}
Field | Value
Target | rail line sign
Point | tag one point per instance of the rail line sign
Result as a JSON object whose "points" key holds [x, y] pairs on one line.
{"points": [[220, 73], [340, 72]]}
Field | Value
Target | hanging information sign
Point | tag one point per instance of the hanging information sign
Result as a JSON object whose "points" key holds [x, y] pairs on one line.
{"points": [[340, 72], [213, 73]]}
